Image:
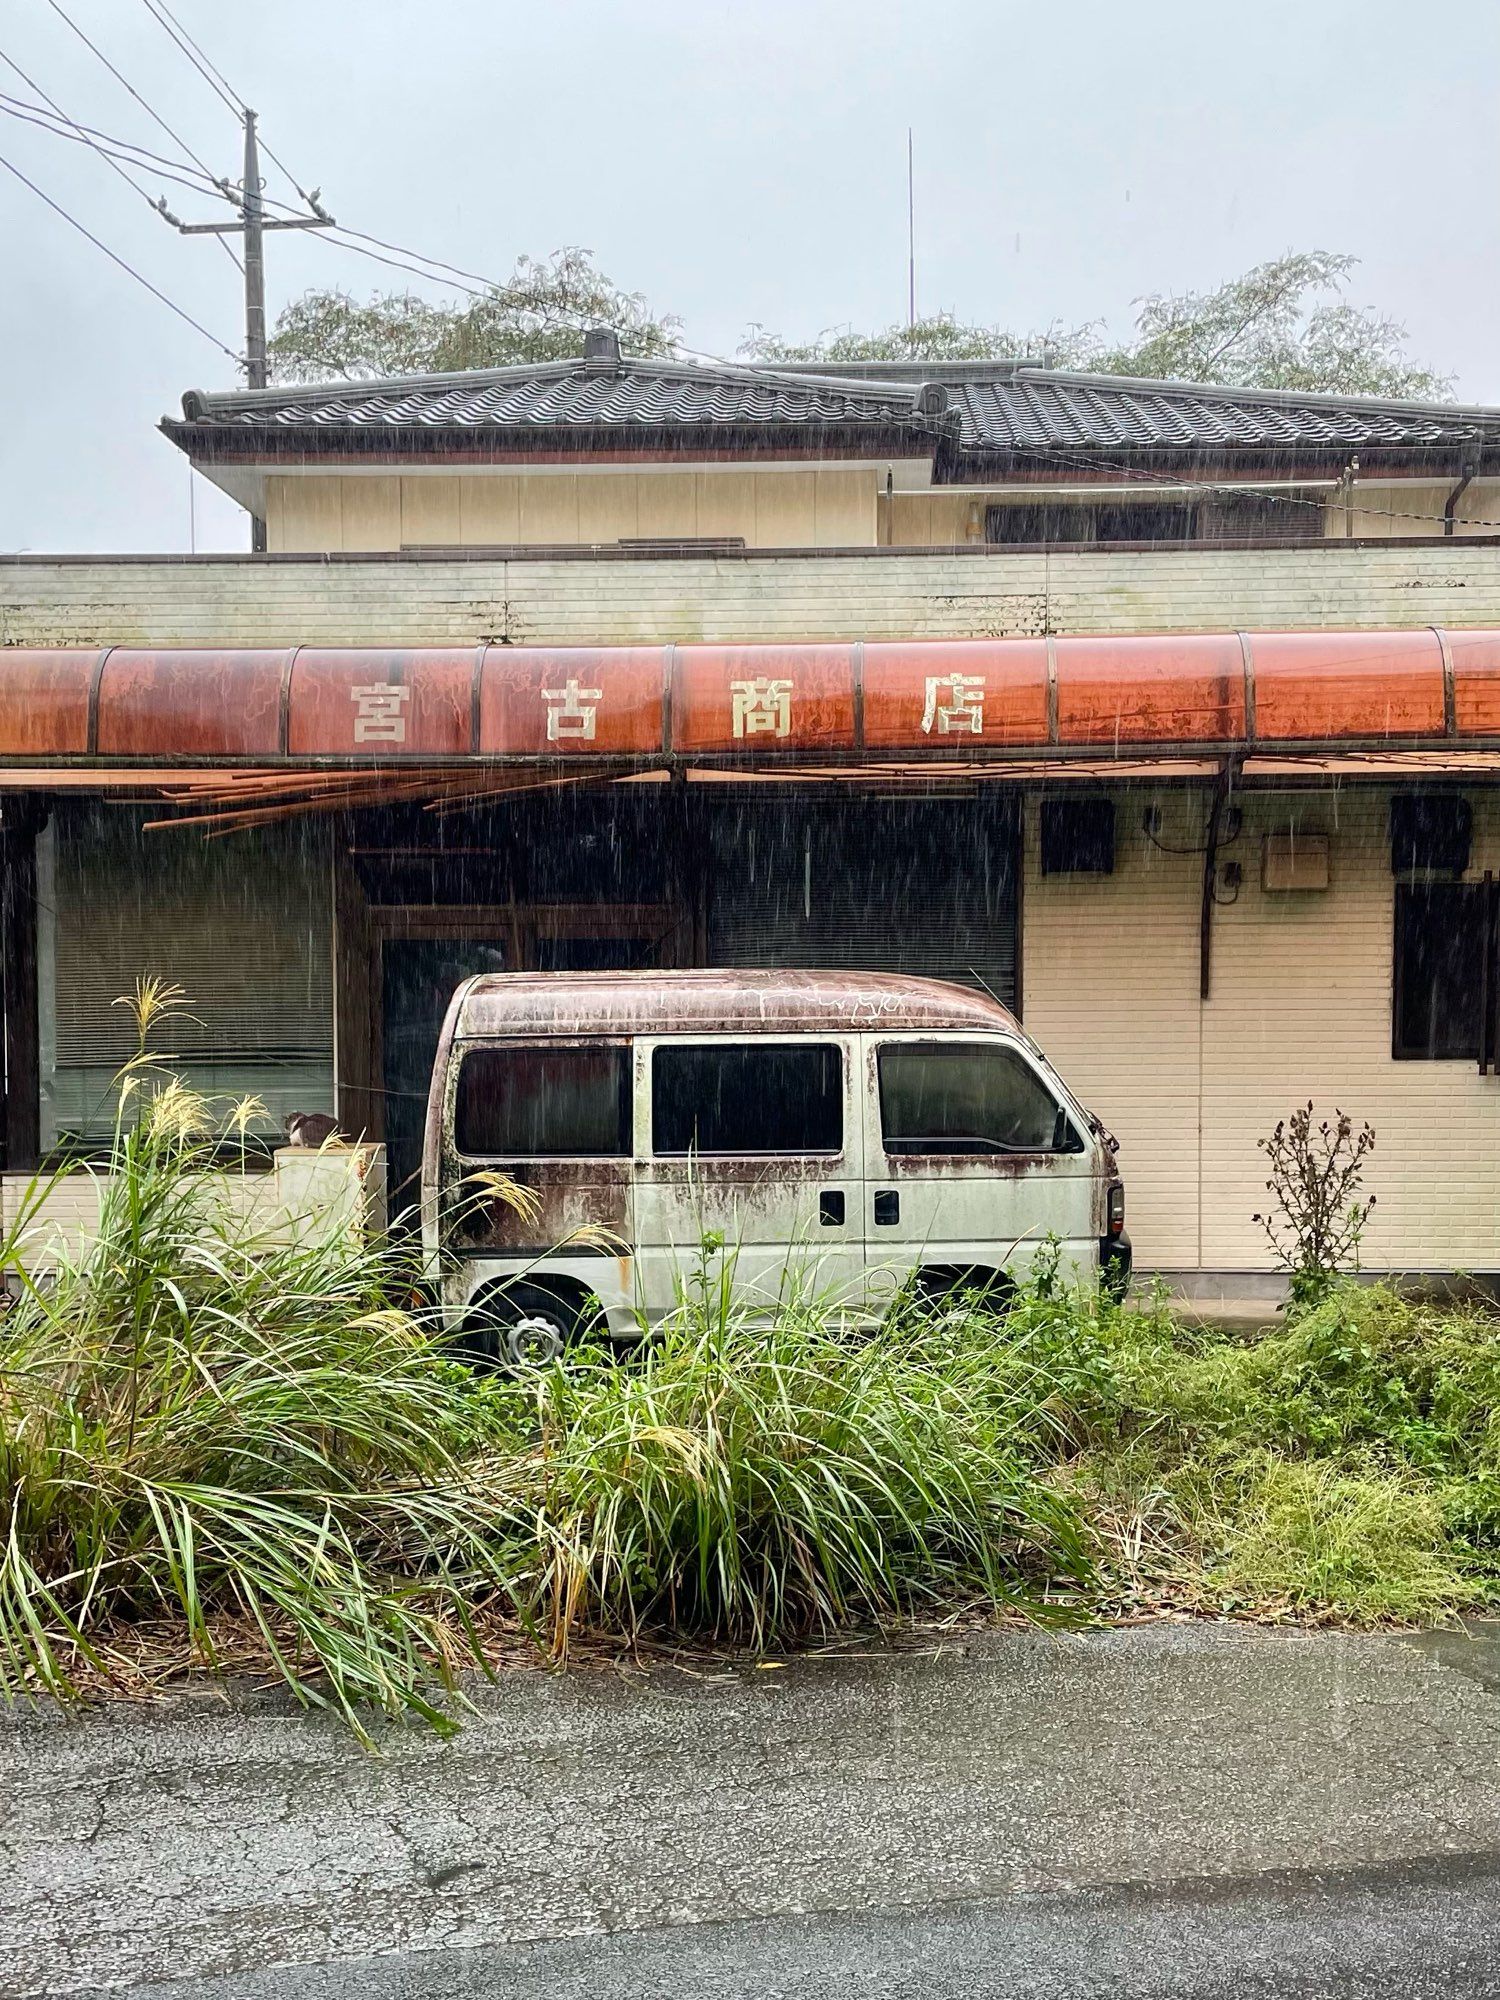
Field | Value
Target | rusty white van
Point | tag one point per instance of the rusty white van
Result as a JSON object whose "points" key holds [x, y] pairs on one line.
{"points": [[837, 1130]]}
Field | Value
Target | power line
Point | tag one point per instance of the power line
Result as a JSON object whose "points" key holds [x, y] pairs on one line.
{"points": [[125, 84], [115, 258], [174, 29], [111, 151], [81, 132], [219, 83], [205, 170], [1078, 461], [50, 109]]}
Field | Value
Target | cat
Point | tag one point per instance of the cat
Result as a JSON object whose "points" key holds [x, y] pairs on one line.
{"points": [[312, 1129]]}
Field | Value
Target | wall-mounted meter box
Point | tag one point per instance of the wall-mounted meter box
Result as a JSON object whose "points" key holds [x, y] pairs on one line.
{"points": [[1294, 861]]}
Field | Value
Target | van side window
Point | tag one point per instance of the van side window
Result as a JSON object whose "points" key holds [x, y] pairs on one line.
{"points": [[545, 1103], [730, 1097], [951, 1097]]}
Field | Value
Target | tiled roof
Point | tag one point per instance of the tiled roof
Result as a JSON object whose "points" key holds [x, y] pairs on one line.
{"points": [[647, 394], [1008, 408], [1038, 410]]}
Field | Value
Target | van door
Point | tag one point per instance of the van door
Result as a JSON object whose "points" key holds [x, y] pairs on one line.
{"points": [[974, 1158], [757, 1142]]}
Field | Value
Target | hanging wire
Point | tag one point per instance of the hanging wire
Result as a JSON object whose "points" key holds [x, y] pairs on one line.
{"points": [[125, 84], [115, 258]]}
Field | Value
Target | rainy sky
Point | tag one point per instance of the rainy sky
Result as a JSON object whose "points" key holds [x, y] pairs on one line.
{"points": [[738, 164]]}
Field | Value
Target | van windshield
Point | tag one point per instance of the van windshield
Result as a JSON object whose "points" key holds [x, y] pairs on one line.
{"points": [[544, 1103]]}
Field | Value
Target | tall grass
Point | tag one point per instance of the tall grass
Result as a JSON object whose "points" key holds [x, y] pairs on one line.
{"points": [[201, 1422], [198, 1419], [211, 1426], [762, 1483]]}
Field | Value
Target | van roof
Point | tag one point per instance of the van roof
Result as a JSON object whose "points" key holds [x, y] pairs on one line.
{"points": [[732, 1002]]}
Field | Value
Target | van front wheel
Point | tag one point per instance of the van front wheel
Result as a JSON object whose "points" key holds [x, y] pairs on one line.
{"points": [[524, 1326]]}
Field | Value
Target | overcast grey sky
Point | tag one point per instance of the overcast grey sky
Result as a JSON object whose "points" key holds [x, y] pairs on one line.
{"points": [[737, 164]]}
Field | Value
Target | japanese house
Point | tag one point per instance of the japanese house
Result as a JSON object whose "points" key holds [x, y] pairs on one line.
{"points": [[1169, 714]]}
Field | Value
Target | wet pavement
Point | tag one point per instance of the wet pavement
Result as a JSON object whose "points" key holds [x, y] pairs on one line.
{"points": [[1164, 1810]]}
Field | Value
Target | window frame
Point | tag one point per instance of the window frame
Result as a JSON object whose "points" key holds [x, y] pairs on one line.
{"points": [[621, 1045], [1077, 1122], [1474, 895], [666, 1044]]}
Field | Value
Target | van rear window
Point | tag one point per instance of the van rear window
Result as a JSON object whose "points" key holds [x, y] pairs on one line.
{"points": [[727, 1097], [544, 1103]]}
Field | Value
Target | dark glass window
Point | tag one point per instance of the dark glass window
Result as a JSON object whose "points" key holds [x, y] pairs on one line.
{"points": [[545, 1103], [952, 1097], [1439, 969], [733, 1097]]}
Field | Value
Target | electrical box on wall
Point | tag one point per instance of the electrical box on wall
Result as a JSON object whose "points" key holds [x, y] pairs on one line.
{"points": [[1078, 836], [1294, 861]]}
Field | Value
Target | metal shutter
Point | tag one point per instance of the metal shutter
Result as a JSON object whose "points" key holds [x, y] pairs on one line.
{"points": [[880, 885], [242, 925]]}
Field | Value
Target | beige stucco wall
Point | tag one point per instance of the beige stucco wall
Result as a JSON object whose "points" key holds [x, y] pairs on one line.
{"points": [[1393, 509], [807, 508], [812, 508], [1300, 1008]]}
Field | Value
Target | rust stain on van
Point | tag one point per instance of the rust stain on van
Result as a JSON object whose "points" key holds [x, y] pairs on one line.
{"points": [[567, 1196], [502, 1004]]}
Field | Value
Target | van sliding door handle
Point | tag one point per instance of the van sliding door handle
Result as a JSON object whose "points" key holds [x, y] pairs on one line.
{"points": [[831, 1208], [887, 1206]]}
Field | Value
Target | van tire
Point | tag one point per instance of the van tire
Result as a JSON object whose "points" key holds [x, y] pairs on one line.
{"points": [[525, 1325], [942, 1285]]}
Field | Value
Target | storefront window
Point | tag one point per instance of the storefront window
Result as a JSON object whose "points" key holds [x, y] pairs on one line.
{"points": [[242, 925]]}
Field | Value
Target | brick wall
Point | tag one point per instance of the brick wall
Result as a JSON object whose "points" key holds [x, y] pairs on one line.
{"points": [[1300, 1008], [310, 600]]}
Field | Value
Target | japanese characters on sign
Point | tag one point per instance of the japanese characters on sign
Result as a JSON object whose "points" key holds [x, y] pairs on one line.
{"points": [[571, 700], [379, 714], [968, 695], [728, 698], [572, 711], [762, 707], [954, 702], [639, 702]]}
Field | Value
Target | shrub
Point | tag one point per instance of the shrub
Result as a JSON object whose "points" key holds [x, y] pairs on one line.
{"points": [[1318, 1216]]}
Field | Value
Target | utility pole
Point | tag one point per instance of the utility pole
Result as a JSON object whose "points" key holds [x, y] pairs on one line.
{"points": [[246, 199], [255, 260]]}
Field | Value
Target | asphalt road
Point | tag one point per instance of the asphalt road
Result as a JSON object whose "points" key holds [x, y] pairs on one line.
{"points": [[1164, 1811]]}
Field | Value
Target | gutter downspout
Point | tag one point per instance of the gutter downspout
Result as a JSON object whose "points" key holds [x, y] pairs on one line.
{"points": [[1467, 469]]}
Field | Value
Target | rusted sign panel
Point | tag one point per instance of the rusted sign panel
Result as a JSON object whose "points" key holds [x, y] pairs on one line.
{"points": [[342, 703], [964, 695], [1361, 685], [1159, 690], [196, 704], [749, 698], [44, 702], [572, 701], [955, 699]]}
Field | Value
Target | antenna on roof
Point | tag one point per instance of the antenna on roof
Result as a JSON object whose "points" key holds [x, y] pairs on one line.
{"points": [[911, 235]]}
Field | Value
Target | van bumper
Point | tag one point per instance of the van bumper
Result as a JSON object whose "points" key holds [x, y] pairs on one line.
{"points": [[1116, 1261]]}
